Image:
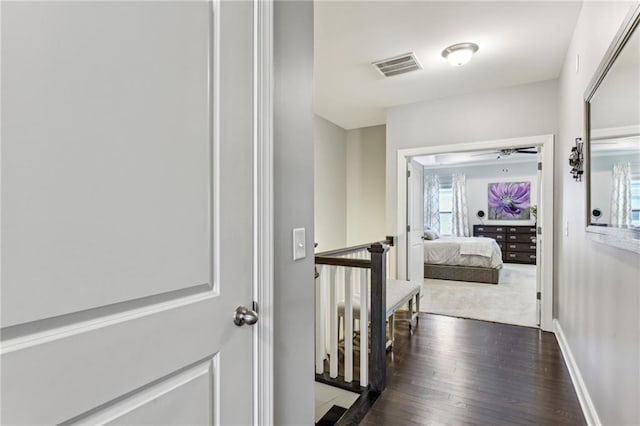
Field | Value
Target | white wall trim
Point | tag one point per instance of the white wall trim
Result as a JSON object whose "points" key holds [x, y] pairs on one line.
{"points": [[545, 215], [263, 368], [589, 410]]}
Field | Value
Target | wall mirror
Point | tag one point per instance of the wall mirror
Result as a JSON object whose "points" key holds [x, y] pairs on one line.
{"points": [[612, 117]]}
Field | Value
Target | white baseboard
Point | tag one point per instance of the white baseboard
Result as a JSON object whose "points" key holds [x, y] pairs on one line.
{"points": [[588, 409]]}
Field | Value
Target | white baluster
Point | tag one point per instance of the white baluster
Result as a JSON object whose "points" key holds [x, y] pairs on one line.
{"points": [[333, 324], [364, 327], [355, 277], [320, 318], [348, 327]]}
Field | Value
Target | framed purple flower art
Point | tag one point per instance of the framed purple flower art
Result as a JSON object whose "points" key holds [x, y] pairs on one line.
{"points": [[509, 200]]}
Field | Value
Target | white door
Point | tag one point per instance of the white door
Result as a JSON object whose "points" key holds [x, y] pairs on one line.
{"points": [[126, 212], [415, 219]]}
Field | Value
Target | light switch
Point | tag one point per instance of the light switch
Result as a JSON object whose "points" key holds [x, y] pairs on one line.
{"points": [[299, 244]]}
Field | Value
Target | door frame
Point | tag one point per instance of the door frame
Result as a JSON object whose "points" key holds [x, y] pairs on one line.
{"points": [[545, 216], [263, 213]]}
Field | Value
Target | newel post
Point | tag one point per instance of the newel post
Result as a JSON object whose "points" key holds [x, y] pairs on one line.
{"points": [[377, 365]]}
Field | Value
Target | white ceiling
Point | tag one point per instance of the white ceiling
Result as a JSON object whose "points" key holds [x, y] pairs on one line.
{"points": [[520, 42]]}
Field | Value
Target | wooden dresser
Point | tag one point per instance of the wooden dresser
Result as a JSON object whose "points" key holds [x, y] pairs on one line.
{"points": [[518, 243]]}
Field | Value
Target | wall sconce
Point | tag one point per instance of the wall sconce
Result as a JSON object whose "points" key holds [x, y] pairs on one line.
{"points": [[576, 160]]}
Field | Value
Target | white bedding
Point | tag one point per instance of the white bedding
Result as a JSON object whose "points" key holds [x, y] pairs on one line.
{"points": [[463, 251]]}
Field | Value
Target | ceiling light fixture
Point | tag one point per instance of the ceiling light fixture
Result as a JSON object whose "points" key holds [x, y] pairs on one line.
{"points": [[459, 54]]}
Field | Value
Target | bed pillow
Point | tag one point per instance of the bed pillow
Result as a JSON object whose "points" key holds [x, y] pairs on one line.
{"points": [[430, 234]]}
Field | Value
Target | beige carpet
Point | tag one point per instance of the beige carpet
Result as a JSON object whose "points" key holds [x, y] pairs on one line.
{"points": [[511, 301]]}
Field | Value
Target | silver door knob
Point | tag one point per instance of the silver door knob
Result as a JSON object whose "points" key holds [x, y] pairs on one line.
{"points": [[244, 315]]}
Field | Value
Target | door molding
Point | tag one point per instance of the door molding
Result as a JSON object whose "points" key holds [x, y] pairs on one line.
{"points": [[263, 368], [545, 216]]}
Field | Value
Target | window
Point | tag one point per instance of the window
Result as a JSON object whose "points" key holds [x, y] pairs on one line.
{"points": [[635, 203], [446, 202]]}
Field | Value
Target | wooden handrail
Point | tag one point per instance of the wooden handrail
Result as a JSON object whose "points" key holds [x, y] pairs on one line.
{"points": [[343, 261], [354, 249], [345, 250]]}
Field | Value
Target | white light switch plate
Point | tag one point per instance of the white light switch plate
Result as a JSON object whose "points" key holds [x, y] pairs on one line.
{"points": [[299, 244]]}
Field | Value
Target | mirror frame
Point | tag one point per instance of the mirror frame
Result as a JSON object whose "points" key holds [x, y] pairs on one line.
{"points": [[624, 238]]}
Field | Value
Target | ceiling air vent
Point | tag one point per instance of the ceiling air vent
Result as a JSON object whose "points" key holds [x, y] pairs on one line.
{"points": [[398, 65]]}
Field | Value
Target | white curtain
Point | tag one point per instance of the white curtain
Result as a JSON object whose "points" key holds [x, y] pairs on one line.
{"points": [[459, 210], [432, 202], [621, 195]]}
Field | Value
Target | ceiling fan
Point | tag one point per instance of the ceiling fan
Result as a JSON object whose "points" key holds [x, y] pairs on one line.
{"points": [[505, 152], [447, 159]]}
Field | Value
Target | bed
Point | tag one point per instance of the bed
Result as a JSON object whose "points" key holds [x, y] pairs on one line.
{"points": [[474, 259]]}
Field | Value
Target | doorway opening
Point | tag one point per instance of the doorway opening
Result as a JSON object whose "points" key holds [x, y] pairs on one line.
{"points": [[476, 228]]}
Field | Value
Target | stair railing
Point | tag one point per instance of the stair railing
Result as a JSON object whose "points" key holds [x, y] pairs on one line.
{"points": [[351, 284]]}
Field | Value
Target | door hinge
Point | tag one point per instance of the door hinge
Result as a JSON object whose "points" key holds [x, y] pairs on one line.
{"points": [[538, 296], [408, 173], [539, 230], [408, 228], [539, 166]]}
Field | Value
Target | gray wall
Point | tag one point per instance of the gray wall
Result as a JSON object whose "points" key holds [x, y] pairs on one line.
{"points": [[365, 185], [597, 287], [349, 185], [330, 185], [293, 182], [518, 111]]}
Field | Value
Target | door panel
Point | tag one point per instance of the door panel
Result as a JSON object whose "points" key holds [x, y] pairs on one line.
{"points": [[163, 341], [127, 217], [415, 208], [183, 399], [120, 100]]}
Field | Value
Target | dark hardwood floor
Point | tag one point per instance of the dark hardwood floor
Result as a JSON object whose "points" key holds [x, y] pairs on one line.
{"points": [[456, 371]]}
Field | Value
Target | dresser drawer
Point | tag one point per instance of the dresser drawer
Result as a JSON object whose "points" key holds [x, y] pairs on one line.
{"points": [[497, 237], [521, 229], [521, 238], [520, 257], [488, 228], [524, 247]]}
